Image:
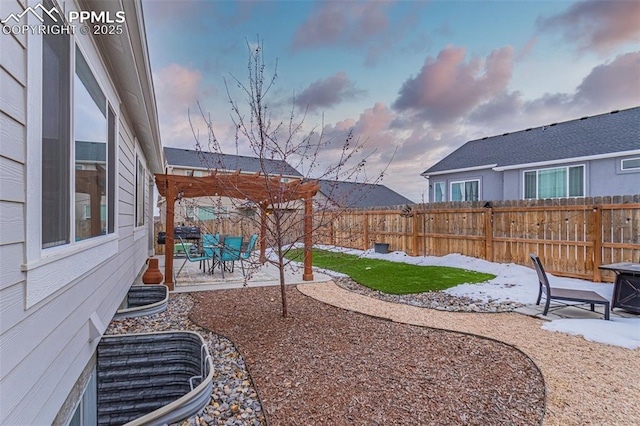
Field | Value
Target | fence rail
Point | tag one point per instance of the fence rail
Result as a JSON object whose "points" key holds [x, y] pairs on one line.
{"points": [[572, 237]]}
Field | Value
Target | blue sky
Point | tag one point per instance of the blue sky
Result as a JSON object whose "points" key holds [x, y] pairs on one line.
{"points": [[418, 78]]}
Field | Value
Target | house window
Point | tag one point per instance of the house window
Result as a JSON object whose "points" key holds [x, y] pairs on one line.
{"points": [[465, 190], [140, 193], [56, 134], [82, 162], [438, 192], [630, 164], [211, 213], [557, 182], [190, 212], [90, 134], [86, 413]]}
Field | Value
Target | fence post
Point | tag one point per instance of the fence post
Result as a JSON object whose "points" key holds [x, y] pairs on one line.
{"points": [[416, 252], [365, 229], [332, 233], [488, 234], [596, 237]]}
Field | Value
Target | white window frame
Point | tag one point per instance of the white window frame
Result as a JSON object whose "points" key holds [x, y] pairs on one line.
{"points": [[465, 181], [48, 270], [584, 181], [627, 169], [87, 406], [140, 191], [443, 185]]}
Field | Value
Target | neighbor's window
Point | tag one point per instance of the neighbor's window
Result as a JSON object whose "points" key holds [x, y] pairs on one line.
{"points": [[140, 193], [190, 212], [465, 190], [630, 164], [557, 182], [438, 192], [211, 213]]}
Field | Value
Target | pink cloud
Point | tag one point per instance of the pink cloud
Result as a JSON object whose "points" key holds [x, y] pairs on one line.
{"points": [[177, 86], [327, 93], [522, 54], [345, 22], [447, 88], [597, 24], [612, 85], [177, 90]]}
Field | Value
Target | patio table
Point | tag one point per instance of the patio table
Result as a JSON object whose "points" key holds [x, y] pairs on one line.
{"points": [[626, 288], [219, 246]]}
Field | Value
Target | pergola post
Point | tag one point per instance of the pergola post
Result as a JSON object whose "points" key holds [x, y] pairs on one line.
{"points": [[169, 242], [308, 239]]}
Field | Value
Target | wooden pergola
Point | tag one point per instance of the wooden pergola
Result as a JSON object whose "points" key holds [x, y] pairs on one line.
{"points": [[263, 190]]}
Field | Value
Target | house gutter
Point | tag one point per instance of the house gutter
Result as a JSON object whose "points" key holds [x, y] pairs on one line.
{"points": [[465, 169], [127, 58], [568, 160]]}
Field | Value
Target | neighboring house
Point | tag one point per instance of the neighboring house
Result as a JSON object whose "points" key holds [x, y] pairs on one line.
{"points": [[80, 145], [587, 157], [187, 162], [359, 195]]}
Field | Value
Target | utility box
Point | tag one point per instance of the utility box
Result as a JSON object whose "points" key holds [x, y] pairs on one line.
{"points": [[382, 248]]}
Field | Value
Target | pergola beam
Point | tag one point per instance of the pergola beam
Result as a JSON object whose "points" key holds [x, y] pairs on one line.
{"points": [[261, 189]]}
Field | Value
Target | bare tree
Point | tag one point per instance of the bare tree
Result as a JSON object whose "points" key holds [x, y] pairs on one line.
{"points": [[282, 145]]}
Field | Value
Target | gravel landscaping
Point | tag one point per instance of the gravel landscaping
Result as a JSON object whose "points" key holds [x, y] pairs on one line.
{"points": [[438, 300]]}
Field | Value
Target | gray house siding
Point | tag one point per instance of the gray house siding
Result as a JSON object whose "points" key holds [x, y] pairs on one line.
{"points": [[45, 346], [511, 192], [603, 177], [599, 143], [607, 176]]}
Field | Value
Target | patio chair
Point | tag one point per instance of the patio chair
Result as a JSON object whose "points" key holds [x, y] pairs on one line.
{"points": [[193, 257], [230, 252], [246, 253], [565, 294], [211, 246]]}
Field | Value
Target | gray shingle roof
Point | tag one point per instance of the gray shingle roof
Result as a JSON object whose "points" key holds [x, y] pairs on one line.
{"points": [[351, 194], [186, 158], [596, 135]]}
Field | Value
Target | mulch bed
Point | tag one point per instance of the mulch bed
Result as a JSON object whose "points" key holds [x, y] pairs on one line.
{"points": [[325, 365]]}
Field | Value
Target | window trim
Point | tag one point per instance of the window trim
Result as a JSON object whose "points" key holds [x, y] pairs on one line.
{"points": [[140, 184], [631, 169], [51, 269], [444, 192], [465, 181], [566, 167]]}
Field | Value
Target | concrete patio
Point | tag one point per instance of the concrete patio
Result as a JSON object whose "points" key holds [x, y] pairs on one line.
{"points": [[192, 278], [558, 311]]}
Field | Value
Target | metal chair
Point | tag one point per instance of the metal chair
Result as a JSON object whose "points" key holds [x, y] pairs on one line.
{"points": [[200, 257], [230, 252], [211, 246], [246, 253], [584, 296]]}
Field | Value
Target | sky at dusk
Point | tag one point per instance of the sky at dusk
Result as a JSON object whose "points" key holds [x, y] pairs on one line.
{"points": [[413, 79]]}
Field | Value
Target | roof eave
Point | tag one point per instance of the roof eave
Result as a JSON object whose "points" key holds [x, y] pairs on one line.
{"points": [[427, 174], [567, 160]]}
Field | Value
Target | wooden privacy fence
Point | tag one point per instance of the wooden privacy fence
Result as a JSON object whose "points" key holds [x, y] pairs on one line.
{"points": [[571, 236]]}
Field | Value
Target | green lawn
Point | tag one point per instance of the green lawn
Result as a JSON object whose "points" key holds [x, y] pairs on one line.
{"points": [[393, 277]]}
